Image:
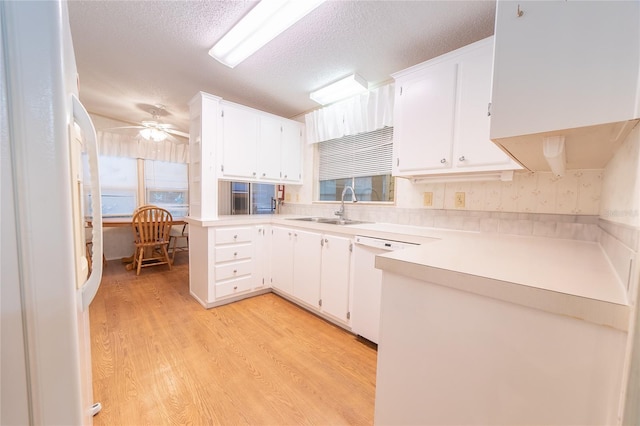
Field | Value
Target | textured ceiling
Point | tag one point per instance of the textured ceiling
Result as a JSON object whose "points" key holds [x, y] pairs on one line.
{"points": [[134, 54]]}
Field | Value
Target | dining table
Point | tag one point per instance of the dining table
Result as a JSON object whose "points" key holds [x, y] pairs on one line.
{"points": [[123, 221]]}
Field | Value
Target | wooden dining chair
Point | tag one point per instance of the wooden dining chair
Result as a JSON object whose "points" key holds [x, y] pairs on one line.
{"points": [[151, 226], [176, 235]]}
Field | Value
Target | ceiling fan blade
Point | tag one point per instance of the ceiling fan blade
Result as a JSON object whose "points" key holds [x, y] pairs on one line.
{"points": [[177, 133], [174, 139], [125, 127]]}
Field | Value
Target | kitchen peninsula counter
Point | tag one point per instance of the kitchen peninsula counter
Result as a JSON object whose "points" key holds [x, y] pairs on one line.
{"points": [[568, 277]]}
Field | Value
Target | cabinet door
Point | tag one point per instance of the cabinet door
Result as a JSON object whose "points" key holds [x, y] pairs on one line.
{"points": [[291, 152], [262, 255], [282, 259], [269, 148], [336, 261], [563, 65], [240, 129], [472, 146], [306, 267], [423, 119]]}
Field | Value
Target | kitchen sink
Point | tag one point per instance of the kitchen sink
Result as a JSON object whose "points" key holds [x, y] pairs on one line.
{"points": [[329, 220]]}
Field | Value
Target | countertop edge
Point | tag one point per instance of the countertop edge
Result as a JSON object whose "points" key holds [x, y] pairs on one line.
{"points": [[591, 310]]}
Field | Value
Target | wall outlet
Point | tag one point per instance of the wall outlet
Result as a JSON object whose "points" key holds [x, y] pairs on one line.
{"points": [[427, 199], [287, 198], [459, 201]]}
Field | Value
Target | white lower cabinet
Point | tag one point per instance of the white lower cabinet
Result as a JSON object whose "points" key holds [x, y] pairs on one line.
{"points": [[306, 266], [334, 277], [233, 270], [314, 269], [261, 258]]}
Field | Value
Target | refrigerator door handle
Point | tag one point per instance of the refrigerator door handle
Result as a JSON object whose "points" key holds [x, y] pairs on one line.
{"points": [[81, 116]]}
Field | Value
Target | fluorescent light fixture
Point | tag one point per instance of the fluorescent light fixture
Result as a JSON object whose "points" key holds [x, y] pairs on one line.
{"points": [[262, 24], [341, 89], [153, 134]]}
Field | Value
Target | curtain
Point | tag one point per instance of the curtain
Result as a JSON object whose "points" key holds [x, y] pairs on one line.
{"points": [[370, 111], [119, 145]]}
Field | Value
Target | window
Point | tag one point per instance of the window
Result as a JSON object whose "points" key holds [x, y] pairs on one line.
{"points": [[361, 161], [167, 186], [118, 183]]}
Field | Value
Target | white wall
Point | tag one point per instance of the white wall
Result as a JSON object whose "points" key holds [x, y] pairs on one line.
{"points": [[620, 200], [577, 193]]}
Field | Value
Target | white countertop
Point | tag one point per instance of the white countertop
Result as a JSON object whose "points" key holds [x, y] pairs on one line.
{"points": [[568, 277]]}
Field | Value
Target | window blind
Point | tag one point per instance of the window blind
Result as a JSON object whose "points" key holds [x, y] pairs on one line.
{"points": [[364, 154]]}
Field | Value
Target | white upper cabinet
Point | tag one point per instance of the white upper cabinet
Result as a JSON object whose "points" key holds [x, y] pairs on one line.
{"points": [[258, 146], [472, 147], [240, 135], [291, 152], [269, 148], [441, 122], [561, 67], [423, 120]]}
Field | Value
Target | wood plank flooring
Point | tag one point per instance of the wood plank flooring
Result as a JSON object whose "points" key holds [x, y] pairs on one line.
{"points": [[159, 358]]}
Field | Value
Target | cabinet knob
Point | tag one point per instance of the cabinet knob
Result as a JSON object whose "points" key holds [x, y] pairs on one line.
{"points": [[295, 235], [235, 237], [235, 254], [444, 160], [235, 287], [264, 174], [326, 241], [235, 271], [461, 158], [285, 176], [254, 173]]}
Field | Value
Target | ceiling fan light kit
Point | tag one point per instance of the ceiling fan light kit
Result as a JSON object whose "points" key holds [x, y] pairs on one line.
{"points": [[262, 24], [154, 134], [349, 86]]}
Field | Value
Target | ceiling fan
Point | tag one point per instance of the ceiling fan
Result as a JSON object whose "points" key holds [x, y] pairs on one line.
{"points": [[154, 129]]}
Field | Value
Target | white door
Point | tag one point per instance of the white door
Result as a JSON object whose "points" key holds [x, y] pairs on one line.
{"points": [[262, 255], [423, 118], [336, 261], [306, 266], [269, 148], [282, 259], [291, 151], [240, 129], [473, 148]]}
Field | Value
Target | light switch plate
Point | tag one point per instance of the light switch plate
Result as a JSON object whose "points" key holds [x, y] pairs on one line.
{"points": [[459, 201], [427, 199]]}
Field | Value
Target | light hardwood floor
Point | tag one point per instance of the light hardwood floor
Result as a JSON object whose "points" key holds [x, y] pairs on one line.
{"points": [[159, 358]]}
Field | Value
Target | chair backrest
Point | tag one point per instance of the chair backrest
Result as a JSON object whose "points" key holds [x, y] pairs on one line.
{"points": [[151, 225]]}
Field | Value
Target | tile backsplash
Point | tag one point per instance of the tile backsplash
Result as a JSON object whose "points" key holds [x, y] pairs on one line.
{"points": [[578, 227], [578, 192]]}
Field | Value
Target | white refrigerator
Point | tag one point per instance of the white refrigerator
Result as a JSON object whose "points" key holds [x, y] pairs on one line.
{"points": [[45, 369]]}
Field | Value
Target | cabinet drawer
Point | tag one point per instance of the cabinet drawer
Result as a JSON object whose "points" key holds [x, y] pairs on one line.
{"points": [[233, 235], [232, 270], [230, 288], [235, 252]]}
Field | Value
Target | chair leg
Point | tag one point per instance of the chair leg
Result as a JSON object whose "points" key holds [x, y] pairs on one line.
{"points": [[173, 249], [140, 256], [166, 255]]}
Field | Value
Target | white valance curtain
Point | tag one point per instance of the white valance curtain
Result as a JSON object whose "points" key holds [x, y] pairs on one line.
{"points": [[370, 111], [119, 145]]}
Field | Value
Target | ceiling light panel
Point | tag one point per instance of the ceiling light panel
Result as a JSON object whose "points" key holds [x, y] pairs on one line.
{"points": [[341, 89], [262, 24]]}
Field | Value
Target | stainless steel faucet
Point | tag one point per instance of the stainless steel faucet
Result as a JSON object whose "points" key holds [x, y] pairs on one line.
{"points": [[340, 212]]}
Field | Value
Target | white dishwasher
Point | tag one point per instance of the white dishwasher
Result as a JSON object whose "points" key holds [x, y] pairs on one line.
{"points": [[367, 283]]}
